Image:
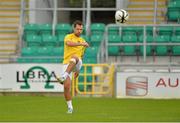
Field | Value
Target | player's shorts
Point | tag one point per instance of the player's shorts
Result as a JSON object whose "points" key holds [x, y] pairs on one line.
{"points": [[77, 67]]}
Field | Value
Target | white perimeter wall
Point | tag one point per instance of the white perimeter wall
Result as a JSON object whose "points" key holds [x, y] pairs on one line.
{"points": [[147, 85], [12, 80]]}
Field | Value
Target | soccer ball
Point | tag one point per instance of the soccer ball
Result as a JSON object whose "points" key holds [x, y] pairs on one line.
{"points": [[121, 16]]}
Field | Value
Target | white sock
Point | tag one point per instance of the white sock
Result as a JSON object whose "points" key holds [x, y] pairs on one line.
{"points": [[69, 104], [66, 74]]}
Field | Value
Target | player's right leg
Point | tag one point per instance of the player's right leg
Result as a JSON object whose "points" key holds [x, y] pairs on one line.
{"points": [[73, 61]]}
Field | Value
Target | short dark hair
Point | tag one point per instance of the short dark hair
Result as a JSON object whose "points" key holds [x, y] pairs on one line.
{"points": [[77, 22]]}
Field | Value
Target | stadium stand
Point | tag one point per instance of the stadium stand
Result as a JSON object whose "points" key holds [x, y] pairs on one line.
{"points": [[97, 28], [130, 39], [9, 23], [41, 46], [142, 11]]}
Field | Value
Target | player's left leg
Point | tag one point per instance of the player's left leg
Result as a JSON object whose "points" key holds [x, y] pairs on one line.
{"points": [[67, 86], [67, 94]]}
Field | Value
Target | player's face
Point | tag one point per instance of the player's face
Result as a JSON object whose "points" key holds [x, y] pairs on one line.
{"points": [[78, 29]]}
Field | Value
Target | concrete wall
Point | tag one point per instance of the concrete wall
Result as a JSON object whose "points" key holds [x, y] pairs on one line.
{"points": [[40, 17], [63, 16], [121, 4]]}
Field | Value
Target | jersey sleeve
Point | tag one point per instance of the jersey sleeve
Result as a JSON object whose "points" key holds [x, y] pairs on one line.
{"points": [[67, 38]]}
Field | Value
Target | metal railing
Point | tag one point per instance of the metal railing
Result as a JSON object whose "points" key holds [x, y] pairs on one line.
{"points": [[144, 43], [100, 82]]}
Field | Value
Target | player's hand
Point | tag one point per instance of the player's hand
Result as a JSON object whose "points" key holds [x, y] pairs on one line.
{"points": [[85, 44]]}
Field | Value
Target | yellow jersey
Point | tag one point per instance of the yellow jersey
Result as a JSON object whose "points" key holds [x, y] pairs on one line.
{"points": [[69, 51]]}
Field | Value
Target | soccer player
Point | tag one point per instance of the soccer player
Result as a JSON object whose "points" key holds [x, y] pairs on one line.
{"points": [[74, 47]]}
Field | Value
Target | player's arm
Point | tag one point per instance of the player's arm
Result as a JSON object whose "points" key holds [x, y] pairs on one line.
{"points": [[73, 44]]}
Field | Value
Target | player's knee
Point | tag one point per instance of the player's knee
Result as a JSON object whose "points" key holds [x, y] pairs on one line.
{"points": [[74, 60]]}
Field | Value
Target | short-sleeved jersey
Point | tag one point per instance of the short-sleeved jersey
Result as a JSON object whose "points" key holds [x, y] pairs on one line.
{"points": [[69, 51]]}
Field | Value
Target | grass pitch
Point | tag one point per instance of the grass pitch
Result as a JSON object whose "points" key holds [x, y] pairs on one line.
{"points": [[87, 109]]}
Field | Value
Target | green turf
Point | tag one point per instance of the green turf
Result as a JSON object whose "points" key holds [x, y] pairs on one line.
{"points": [[39, 108]]}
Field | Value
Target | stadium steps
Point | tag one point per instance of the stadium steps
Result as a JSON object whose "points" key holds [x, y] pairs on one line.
{"points": [[141, 18], [147, 0], [9, 24], [141, 22], [9, 13], [7, 4], [139, 14], [4, 59], [145, 5]]}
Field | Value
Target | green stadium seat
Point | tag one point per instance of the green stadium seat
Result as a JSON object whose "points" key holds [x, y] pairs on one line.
{"points": [[58, 51], [173, 15], [95, 40], [113, 50], [165, 30], [174, 4], [33, 40], [31, 29], [56, 60], [113, 31], [45, 29], [149, 30], [91, 55], [162, 39], [49, 40], [63, 29], [41, 60], [148, 50], [85, 37], [177, 30], [176, 50], [44, 51], [129, 38], [29, 51], [129, 30], [24, 60], [90, 60], [91, 52], [140, 30], [149, 38], [173, 10], [129, 50], [114, 38], [161, 50], [97, 28], [60, 40], [175, 39]]}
